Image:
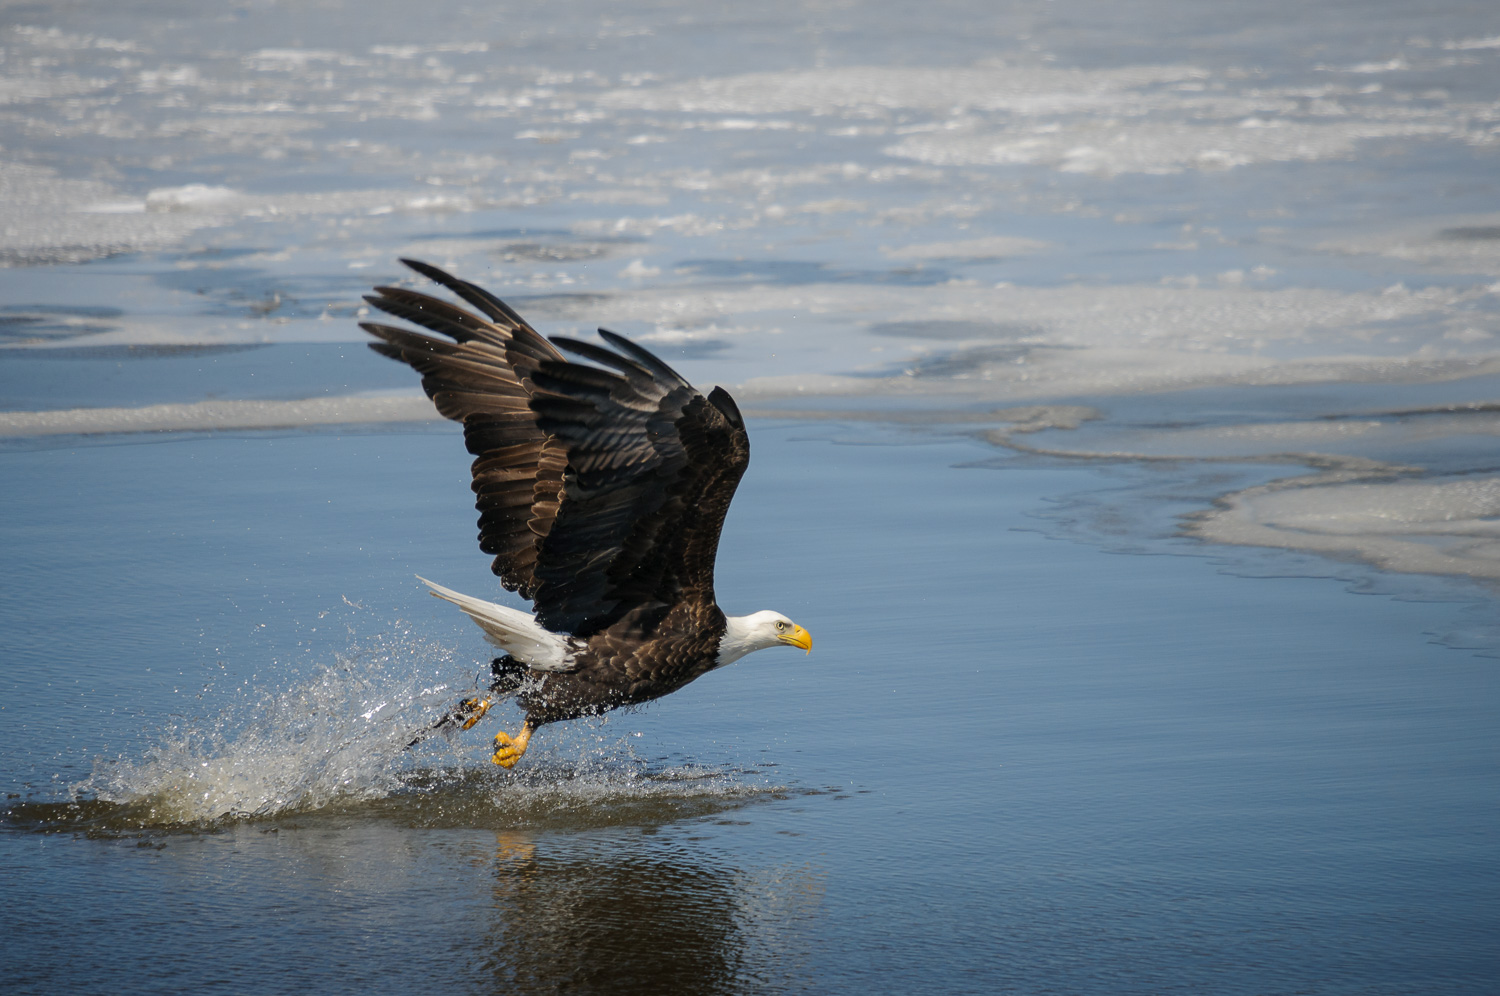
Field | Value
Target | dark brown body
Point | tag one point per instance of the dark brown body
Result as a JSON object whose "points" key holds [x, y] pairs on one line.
{"points": [[618, 668]]}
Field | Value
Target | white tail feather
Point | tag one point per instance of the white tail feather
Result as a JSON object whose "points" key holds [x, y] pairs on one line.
{"points": [[516, 632]]}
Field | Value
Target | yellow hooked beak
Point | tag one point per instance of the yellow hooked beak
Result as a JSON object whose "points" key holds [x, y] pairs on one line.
{"points": [[799, 638]]}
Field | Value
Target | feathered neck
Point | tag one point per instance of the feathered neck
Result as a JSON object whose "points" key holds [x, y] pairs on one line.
{"points": [[744, 635]]}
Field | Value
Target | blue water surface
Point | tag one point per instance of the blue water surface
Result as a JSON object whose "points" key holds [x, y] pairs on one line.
{"points": [[1011, 764]]}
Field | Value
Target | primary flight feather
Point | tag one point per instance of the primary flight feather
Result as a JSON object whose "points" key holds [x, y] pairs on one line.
{"points": [[601, 488]]}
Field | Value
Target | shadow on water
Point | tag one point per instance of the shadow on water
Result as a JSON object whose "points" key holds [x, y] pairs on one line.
{"points": [[592, 921], [547, 798], [561, 880], [52, 323]]}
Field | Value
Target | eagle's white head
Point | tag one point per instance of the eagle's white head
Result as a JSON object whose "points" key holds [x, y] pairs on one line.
{"points": [[757, 631]]}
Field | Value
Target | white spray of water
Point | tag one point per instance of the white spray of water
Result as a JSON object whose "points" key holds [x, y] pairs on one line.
{"points": [[340, 734]]}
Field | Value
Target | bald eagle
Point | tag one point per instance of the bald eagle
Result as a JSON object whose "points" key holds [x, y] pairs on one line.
{"points": [[602, 487]]}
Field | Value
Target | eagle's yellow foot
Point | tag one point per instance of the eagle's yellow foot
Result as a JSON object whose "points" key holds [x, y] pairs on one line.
{"points": [[508, 749], [471, 711]]}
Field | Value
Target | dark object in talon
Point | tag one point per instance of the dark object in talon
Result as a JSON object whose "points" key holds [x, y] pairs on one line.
{"points": [[458, 717], [506, 675]]}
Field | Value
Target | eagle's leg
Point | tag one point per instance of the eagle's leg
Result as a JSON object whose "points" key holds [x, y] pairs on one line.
{"points": [[508, 749]]}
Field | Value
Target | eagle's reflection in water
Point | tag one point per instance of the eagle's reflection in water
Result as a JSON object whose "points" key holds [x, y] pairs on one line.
{"points": [[518, 885], [593, 917]]}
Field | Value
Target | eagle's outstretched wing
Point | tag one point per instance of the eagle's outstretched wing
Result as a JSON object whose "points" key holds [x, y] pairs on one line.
{"points": [[652, 466], [482, 379], [602, 489]]}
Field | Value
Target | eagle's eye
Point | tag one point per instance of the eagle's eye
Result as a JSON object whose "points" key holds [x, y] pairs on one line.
{"points": [[780, 627]]}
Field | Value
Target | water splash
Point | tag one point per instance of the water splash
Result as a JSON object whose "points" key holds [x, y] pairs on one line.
{"points": [[340, 734], [336, 744]]}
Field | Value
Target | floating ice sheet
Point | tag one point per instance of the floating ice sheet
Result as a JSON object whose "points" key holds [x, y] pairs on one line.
{"points": [[1001, 208], [1425, 527], [211, 415]]}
